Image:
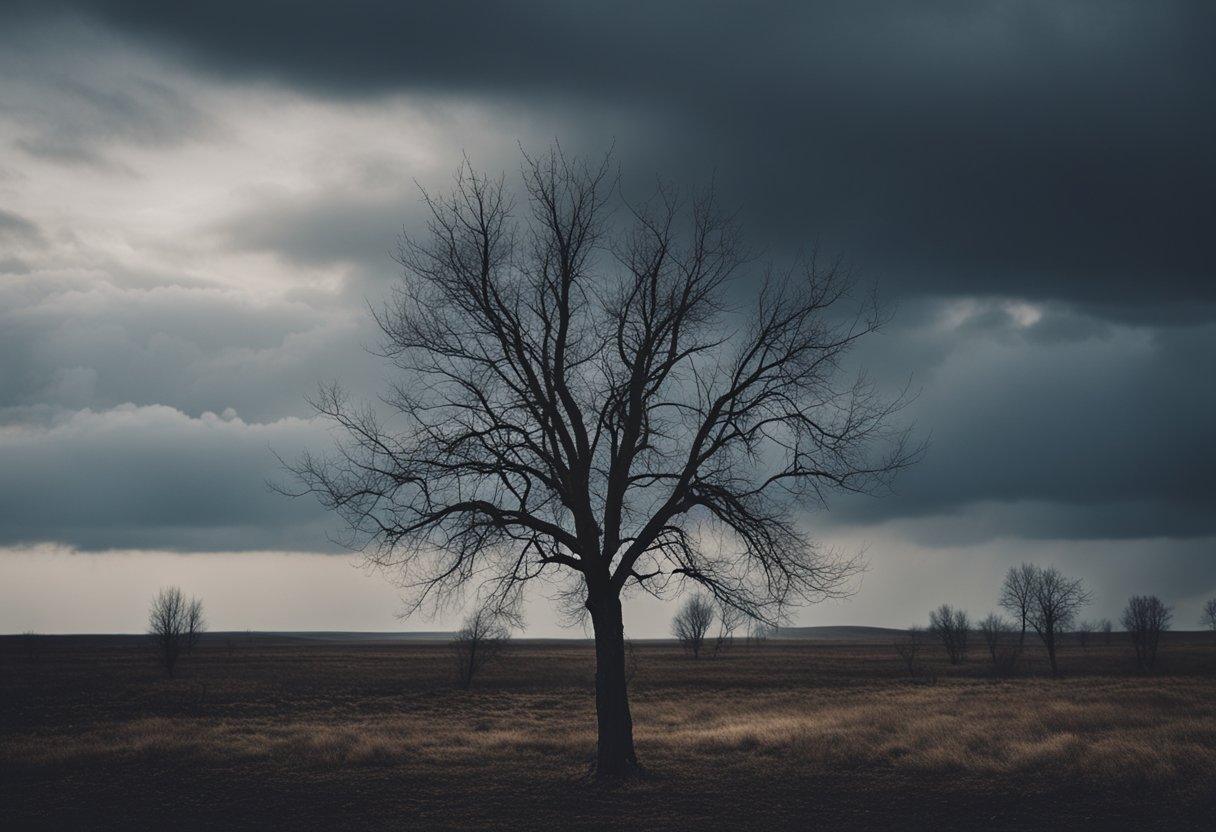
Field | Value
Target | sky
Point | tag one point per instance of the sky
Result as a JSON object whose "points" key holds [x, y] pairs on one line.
{"points": [[199, 204]]}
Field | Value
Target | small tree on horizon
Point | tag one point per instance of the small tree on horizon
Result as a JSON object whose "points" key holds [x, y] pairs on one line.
{"points": [[952, 628], [483, 637], [908, 649], [691, 624], [759, 630], [173, 623], [1056, 602], [1145, 618], [1208, 618], [1017, 596], [729, 620], [196, 624], [1084, 628], [993, 629]]}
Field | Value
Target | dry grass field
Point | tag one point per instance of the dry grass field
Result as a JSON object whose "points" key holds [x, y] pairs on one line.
{"points": [[295, 734]]}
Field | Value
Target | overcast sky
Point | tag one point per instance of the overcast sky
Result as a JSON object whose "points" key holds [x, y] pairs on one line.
{"points": [[197, 206]]}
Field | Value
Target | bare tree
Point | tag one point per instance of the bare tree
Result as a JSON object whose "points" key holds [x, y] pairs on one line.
{"points": [[729, 620], [170, 625], [1084, 628], [758, 630], [1145, 618], [951, 627], [1057, 600], [483, 637], [196, 624], [578, 401], [1208, 619], [993, 629], [908, 649], [1105, 626], [1017, 596], [691, 624]]}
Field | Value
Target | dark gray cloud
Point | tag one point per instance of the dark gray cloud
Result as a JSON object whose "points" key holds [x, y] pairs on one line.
{"points": [[153, 477], [74, 343], [1043, 150], [1056, 426], [971, 156]]}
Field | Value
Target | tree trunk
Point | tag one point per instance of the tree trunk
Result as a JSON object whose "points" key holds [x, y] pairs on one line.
{"points": [[615, 754]]}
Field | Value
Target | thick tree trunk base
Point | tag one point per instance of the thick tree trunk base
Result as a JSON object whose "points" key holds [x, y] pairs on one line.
{"points": [[617, 772], [615, 757]]}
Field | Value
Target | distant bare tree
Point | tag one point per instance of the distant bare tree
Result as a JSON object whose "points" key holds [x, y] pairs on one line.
{"points": [[1056, 602], [1145, 618], [169, 624], [1017, 596], [758, 630], [993, 629], [691, 624], [196, 624], [1105, 626], [483, 637], [908, 648], [1084, 628], [729, 620], [1208, 619], [951, 627]]}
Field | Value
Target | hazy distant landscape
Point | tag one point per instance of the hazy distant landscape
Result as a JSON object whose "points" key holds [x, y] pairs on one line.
{"points": [[314, 731]]}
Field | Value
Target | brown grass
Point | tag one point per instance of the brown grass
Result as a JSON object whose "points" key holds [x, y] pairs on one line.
{"points": [[360, 736]]}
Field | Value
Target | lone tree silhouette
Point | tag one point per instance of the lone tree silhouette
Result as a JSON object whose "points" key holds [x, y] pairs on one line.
{"points": [[175, 625], [1145, 618], [578, 398], [729, 620], [951, 627], [482, 638], [1056, 600], [1017, 596], [691, 624], [993, 628]]}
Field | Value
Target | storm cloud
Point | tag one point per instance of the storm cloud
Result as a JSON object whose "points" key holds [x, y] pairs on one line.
{"points": [[1047, 423], [152, 478], [198, 203], [1044, 149]]}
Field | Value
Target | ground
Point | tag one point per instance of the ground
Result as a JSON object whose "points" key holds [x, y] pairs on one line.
{"points": [[301, 733]]}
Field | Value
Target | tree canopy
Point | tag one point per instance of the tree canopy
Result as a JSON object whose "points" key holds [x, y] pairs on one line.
{"points": [[577, 393]]}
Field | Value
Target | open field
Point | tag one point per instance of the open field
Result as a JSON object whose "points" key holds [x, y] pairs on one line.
{"points": [[297, 733]]}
